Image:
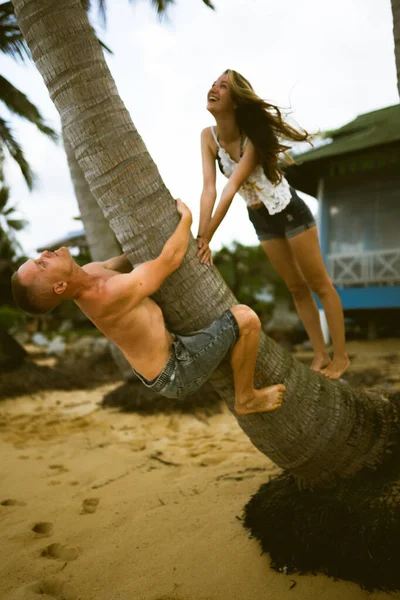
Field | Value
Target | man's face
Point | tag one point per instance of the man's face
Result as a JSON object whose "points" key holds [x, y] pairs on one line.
{"points": [[49, 269]]}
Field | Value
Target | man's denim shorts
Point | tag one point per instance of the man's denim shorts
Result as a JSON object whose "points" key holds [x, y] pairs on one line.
{"points": [[194, 357], [295, 218]]}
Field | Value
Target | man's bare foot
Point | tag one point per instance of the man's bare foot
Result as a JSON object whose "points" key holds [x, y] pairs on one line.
{"points": [[321, 361], [264, 400], [337, 367]]}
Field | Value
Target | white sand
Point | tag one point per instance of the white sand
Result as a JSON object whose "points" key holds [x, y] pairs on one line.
{"points": [[89, 512]]}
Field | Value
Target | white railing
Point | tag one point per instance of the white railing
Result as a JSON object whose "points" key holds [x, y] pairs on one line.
{"points": [[366, 268]]}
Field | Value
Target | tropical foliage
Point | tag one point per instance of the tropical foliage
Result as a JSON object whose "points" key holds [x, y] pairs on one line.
{"points": [[251, 277], [10, 224], [13, 100]]}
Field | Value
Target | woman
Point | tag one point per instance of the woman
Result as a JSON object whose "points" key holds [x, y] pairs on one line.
{"points": [[246, 143]]}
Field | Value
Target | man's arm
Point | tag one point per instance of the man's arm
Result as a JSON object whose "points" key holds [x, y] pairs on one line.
{"points": [[149, 276], [118, 263]]}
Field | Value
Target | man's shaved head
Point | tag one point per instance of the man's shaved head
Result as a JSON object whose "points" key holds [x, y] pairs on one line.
{"points": [[39, 284], [34, 298]]}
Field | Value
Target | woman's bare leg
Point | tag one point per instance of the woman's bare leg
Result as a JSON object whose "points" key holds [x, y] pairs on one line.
{"points": [[243, 361], [284, 262], [306, 248]]}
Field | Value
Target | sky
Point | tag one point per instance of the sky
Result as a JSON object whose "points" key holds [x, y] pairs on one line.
{"points": [[325, 61]]}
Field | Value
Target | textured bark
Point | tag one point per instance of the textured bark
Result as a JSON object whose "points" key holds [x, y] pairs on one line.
{"points": [[100, 238], [396, 35], [324, 429]]}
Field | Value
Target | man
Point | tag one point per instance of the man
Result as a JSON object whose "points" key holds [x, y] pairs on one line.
{"points": [[117, 300]]}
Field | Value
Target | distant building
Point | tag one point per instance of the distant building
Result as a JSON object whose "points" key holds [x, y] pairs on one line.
{"points": [[356, 178]]}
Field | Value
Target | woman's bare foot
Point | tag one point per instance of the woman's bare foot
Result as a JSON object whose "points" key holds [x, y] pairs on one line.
{"points": [[264, 400], [337, 367], [321, 361]]}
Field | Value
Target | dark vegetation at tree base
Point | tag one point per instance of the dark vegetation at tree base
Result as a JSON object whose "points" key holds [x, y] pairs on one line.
{"points": [[79, 373], [12, 354], [31, 378], [351, 531], [133, 396]]}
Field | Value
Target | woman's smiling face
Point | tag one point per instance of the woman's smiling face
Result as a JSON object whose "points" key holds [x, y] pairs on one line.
{"points": [[219, 97]]}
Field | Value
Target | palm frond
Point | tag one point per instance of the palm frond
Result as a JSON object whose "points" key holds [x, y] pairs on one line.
{"points": [[16, 224], [19, 104], [2, 158], [161, 6], [4, 196], [9, 244], [15, 150], [11, 38], [105, 47]]}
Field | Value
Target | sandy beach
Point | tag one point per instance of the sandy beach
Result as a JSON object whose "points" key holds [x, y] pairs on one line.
{"points": [[96, 504]]}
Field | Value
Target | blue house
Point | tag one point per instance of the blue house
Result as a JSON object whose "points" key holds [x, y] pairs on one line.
{"points": [[355, 175]]}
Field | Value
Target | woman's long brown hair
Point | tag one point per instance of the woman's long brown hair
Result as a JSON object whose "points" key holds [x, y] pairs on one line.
{"points": [[263, 124]]}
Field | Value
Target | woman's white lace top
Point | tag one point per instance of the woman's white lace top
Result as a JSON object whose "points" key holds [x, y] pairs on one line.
{"points": [[257, 188]]}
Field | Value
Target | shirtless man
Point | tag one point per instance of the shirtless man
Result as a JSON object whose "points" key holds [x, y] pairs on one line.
{"points": [[117, 300]]}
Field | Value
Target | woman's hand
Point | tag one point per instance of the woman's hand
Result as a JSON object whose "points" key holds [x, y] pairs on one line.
{"points": [[204, 252]]}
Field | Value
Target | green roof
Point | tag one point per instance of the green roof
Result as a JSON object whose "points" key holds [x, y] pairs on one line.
{"points": [[368, 130], [375, 129]]}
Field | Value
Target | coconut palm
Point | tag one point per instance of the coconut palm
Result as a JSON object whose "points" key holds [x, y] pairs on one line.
{"points": [[324, 431], [101, 240], [396, 33], [100, 237], [13, 44]]}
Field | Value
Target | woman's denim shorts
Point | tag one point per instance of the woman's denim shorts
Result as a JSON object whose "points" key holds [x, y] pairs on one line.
{"points": [[291, 221], [194, 357]]}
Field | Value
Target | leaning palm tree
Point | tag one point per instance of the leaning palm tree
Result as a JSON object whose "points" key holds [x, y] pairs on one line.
{"points": [[396, 33], [325, 432], [101, 240]]}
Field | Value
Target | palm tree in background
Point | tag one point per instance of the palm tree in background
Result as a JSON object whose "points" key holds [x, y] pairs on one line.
{"points": [[13, 44]]}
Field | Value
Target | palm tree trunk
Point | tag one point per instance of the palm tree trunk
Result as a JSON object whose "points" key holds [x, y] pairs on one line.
{"points": [[324, 429], [396, 34], [100, 237]]}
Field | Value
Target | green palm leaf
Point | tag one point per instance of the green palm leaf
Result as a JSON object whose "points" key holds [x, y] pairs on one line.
{"points": [[16, 224], [7, 139], [4, 196], [160, 6], [19, 104], [9, 245], [11, 39]]}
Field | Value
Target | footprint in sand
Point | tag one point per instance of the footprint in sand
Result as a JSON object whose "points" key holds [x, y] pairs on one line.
{"points": [[51, 589], [58, 469], [59, 551], [89, 505], [42, 528], [12, 502]]}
